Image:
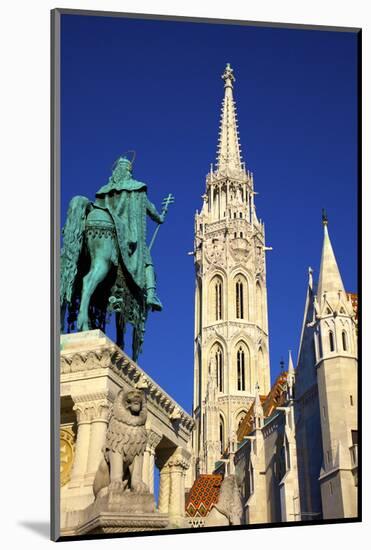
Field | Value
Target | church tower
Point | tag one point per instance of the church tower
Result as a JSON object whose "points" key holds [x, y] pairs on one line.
{"points": [[231, 351], [326, 395], [336, 349]]}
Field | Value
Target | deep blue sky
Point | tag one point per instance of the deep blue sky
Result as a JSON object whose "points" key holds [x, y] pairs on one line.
{"points": [[155, 86]]}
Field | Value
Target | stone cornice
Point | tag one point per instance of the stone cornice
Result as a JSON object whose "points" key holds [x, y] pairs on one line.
{"points": [[97, 351]]}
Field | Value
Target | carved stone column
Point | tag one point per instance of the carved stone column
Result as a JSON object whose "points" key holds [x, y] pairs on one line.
{"points": [[164, 490], [98, 430], [149, 459], [82, 443], [178, 464]]}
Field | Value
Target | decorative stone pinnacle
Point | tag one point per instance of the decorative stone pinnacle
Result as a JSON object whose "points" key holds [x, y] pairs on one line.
{"points": [[228, 76]]}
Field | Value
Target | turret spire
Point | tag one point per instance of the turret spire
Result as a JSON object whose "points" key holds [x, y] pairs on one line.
{"points": [[258, 409], [290, 377], [329, 281], [228, 154]]}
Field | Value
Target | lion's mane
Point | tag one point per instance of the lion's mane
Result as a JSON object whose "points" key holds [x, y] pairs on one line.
{"points": [[229, 502], [126, 433]]}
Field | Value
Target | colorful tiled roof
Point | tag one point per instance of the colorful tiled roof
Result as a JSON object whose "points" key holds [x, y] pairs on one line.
{"points": [[275, 398], [204, 493], [354, 299]]}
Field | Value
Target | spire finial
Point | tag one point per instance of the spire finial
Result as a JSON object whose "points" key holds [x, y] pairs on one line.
{"points": [[324, 217], [228, 76]]}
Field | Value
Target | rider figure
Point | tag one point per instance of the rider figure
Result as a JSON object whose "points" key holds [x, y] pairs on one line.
{"points": [[126, 201]]}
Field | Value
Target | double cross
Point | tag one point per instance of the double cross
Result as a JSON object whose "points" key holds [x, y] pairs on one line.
{"points": [[165, 206]]}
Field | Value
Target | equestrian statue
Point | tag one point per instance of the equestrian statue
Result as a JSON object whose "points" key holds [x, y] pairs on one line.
{"points": [[106, 265]]}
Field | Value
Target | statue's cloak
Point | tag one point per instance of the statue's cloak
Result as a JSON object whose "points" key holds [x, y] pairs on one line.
{"points": [[128, 205]]}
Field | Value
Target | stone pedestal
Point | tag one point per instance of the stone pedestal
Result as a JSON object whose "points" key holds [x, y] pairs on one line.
{"points": [[116, 512], [93, 371]]}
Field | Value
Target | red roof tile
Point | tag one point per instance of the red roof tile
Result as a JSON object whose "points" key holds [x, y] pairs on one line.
{"points": [[354, 299], [204, 493], [274, 399]]}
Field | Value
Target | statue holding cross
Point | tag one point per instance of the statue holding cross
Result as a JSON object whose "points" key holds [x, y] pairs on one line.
{"points": [[106, 265]]}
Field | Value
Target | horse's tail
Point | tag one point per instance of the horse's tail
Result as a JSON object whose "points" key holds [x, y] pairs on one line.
{"points": [[73, 233]]}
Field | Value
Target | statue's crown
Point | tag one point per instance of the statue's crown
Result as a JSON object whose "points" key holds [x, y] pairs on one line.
{"points": [[123, 159]]}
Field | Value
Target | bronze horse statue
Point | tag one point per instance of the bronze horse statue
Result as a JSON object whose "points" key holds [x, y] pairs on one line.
{"points": [[106, 265]]}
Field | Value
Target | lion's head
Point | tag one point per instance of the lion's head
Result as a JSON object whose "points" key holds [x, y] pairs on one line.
{"points": [[130, 407]]}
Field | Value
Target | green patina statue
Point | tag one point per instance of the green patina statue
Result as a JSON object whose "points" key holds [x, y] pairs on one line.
{"points": [[106, 265]]}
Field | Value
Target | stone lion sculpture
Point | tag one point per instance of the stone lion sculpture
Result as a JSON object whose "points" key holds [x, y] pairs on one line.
{"points": [[228, 510], [121, 468]]}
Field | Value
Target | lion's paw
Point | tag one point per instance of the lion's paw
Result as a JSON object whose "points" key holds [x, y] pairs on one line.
{"points": [[116, 486], [140, 487]]}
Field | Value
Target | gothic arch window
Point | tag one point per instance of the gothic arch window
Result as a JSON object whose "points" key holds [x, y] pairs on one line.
{"points": [[241, 235], [331, 340], [319, 340], [216, 299], [241, 371], [259, 304], [260, 371], [344, 338], [314, 351], [221, 435], [251, 478], [240, 214], [239, 287], [219, 367]]}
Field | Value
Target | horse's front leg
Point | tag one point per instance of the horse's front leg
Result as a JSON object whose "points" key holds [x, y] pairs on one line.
{"points": [[120, 330], [98, 271]]}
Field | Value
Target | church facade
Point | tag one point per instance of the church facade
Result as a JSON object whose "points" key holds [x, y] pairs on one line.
{"points": [[292, 446]]}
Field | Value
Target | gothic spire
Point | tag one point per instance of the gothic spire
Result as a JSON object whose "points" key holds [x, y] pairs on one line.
{"points": [[329, 281], [290, 376], [228, 153], [290, 369], [258, 409]]}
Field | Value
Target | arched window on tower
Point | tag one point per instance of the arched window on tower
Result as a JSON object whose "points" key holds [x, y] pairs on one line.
{"points": [[239, 299], [218, 288], [241, 373], [344, 338], [219, 368], [260, 369], [259, 305], [221, 435], [331, 340]]}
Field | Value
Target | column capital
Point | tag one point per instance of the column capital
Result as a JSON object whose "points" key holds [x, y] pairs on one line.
{"points": [[92, 407], [180, 459], [153, 440]]}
